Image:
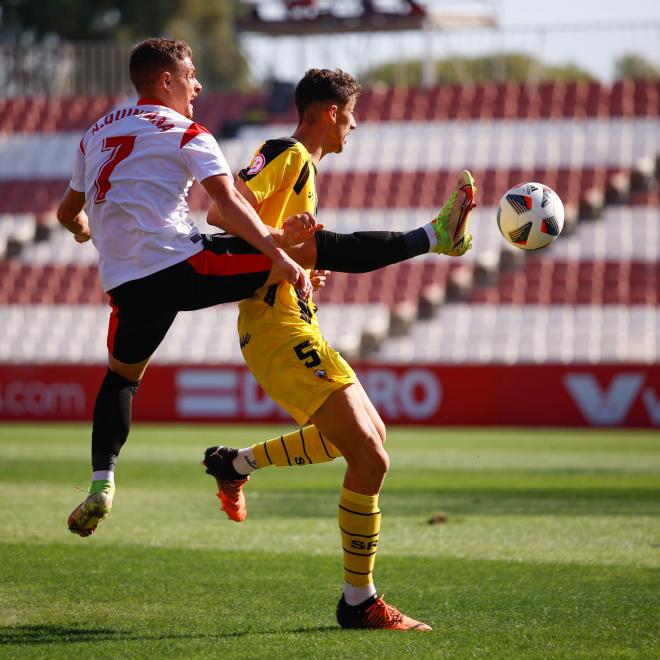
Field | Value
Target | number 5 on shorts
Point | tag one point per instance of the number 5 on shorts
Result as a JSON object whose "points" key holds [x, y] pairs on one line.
{"points": [[308, 355]]}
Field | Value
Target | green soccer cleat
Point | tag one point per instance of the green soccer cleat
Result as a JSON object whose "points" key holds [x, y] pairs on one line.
{"points": [[450, 225], [94, 508]]}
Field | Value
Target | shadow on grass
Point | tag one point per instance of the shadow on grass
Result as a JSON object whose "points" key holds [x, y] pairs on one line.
{"points": [[482, 502], [53, 634]]}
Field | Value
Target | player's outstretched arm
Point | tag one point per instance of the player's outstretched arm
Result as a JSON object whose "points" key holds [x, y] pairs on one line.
{"points": [[70, 214], [239, 218]]}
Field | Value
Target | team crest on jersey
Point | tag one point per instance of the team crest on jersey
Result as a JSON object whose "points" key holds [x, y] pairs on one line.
{"points": [[323, 375], [257, 164]]}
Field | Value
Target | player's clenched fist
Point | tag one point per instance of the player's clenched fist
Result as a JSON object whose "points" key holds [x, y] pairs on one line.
{"points": [[318, 278], [298, 228]]}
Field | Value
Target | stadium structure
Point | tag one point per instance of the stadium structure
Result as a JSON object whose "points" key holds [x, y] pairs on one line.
{"points": [[567, 336]]}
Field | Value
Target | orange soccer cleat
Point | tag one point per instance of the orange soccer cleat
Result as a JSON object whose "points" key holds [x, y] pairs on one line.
{"points": [[218, 463], [376, 614]]}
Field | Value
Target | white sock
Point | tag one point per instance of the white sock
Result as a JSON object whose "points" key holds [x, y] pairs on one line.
{"points": [[356, 595], [103, 475], [430, 232], [245, 462]]}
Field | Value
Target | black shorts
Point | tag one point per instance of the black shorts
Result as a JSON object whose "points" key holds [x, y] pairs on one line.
{"points": [[228, 269]]}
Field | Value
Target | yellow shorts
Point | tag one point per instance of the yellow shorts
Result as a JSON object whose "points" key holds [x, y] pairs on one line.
{"points": [[291, 360]]}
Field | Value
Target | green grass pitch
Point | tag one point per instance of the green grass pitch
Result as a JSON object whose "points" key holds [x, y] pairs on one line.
{"points": [[550, 549]]}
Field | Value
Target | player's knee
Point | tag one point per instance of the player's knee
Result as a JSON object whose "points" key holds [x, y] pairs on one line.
{"points": [[381, 430], [366, 452], [384, 462], [378, 429], [379, 459]]}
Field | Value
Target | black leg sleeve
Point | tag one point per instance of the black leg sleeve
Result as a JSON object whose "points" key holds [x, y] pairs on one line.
{"points": [[364, 251], [112, 419]]}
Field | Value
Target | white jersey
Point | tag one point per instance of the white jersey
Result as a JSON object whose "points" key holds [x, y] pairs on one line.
{"points": [[136, 166]]}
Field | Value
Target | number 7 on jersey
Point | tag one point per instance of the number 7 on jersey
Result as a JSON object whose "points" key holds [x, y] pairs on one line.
{"points": [[120, 147]]}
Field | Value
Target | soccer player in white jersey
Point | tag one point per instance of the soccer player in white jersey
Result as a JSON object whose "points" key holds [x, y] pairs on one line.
{"points": [[128, 191], [132, 173]]}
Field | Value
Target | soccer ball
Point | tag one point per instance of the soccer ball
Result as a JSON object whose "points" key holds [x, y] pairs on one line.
{"points": [[530, 216]]}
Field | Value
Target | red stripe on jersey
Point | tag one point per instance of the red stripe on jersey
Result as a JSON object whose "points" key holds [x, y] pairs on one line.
{"points": [[193, 130], [209, 263], [82, 147], [112, 326]]}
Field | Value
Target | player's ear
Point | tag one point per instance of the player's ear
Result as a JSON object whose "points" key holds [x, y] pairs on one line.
{"points": [[166, 79], [332, 112]]}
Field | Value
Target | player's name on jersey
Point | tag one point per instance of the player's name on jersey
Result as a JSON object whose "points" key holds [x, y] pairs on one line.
{"points": [[159, 121]]}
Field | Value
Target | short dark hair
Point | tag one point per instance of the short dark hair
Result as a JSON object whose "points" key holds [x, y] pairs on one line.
{"points": [[151, 57], [323, 86]]}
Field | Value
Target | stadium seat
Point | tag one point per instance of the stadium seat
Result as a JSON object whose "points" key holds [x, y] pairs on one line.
{"points": [[592, 295]]}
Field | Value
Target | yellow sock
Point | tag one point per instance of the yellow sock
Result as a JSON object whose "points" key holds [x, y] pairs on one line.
{"points": [[359, 523], [302, 447]]}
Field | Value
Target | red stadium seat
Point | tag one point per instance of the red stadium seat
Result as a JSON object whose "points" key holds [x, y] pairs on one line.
{"points": [[622, 103], [646, 99]]}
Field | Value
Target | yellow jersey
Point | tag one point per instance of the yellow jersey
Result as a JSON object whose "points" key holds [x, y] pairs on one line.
{"points": [[282, 178], [280, 337]]}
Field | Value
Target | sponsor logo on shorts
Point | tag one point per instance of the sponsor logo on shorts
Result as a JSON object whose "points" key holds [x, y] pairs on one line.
{"points": [[323, 375], [257, 164]]}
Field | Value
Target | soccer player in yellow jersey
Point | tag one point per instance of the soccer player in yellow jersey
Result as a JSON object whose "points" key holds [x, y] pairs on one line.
{"points": [[285, 350]]}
